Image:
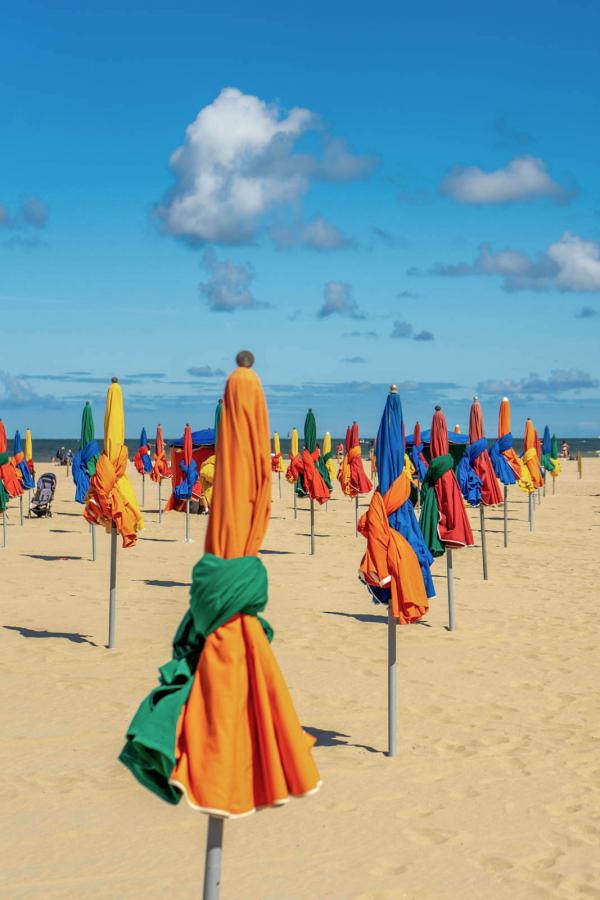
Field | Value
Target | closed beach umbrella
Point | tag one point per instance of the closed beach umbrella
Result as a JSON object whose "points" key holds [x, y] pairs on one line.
{"points": [[310, 478], [554, 454], [443, 519], [530, 456], [289, 475], [161, 468], [547, 461], [111, 500], [276, 458], [86, 458], [189, 469], [294, 446], [142, 459], [396, 564], [351, 475], [218, 411], [20, 463], [505, 461], [29, 452], [480, 460], [3, 440], [328, 460], [221, 729], [4, 494]]}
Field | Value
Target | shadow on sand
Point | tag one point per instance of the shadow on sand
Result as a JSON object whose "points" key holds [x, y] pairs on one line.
{"points": [[65, 635], [47, 558], [331, 739]]}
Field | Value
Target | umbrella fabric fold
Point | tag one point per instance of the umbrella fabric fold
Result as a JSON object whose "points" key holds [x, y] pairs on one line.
{"points": [[328, 460], [27, 480], [86, 458], [480, 459], [443, 518], [351, 474], [547, 461], [221, 728], [276, 458], [530, 460], [142, 459], [3, 439], [10, 476], [390, 460], [416, 454], [554, 454], [111, 499], [161, 468], [390, 562], [188, 467], [469, 481]]}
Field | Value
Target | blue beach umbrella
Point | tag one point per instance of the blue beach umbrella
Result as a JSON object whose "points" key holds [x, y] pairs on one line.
{"points": [[390, 463]]}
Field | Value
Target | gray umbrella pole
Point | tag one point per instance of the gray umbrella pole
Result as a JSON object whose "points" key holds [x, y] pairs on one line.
{"points": [[112, 597], [187, 522], [544, 491], [539, 496], [312, 527], [554, 485], [295, 504], [93, 532], [506, 515], [212, 864], [143, 490], [159, 501], [29, 504], [449, 573], [356, 516], [21, 508], [279, 483], [391, 683], [4, 535], [483, 541], [531, 510]]}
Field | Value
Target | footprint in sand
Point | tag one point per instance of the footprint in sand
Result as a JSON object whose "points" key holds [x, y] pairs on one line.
{"points": [[432, 836], [495, 863]]}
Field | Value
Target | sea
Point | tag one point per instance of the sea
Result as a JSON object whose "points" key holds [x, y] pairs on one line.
{"points": [[45, 449]]}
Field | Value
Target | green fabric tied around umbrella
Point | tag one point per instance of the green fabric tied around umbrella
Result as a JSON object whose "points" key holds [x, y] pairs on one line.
{"points": [[4, 495], [87, 436], [430, 513], [221, 589], [547, 463]]}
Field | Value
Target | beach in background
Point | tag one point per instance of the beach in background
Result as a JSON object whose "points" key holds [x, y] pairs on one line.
{"points": [[495, 792]]}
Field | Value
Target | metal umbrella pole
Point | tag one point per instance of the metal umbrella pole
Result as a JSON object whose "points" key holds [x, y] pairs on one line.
{"points": [[143, 491], [279, 483], [112, 596], [188, 539], [21, 509], [295, 503], [506, 515], [93, 533], [356, 516], [530, 510], [391, 682], [312, 527], [159, 500], [214, 853], [554, 485], [483, 541], [449, 574], [4, 532]]}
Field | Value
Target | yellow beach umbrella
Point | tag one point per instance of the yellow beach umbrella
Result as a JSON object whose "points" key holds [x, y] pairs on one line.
{"points": [[294, 443], [111, 500], [328, 457]]}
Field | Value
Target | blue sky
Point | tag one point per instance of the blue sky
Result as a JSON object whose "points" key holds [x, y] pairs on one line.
{"points": [[361, 194]]}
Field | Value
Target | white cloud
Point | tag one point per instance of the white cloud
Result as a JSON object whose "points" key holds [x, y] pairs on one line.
{"points": [[18, 392], [238, 163], [559, 381], [318, 234], [339, 300], [569, 265], [229, 284], [523, 178], [405, 331], [32, 213]]}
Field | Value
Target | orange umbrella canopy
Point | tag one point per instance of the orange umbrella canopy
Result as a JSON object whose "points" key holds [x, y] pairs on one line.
{"points": [[530, 454], [160, 468], [221, 729], [3, 440], [160, 440]]}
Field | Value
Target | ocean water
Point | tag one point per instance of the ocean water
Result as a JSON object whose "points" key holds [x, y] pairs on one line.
{"points": [[45, 449]]}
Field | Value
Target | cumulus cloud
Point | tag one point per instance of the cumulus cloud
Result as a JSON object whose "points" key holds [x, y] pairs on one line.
{"points": [[586, 312], [205, 372], [16, 392], [317, 234], [405, 331], [229, 284], [571, 264], [559, 381], [339, 300], [239, 162], [523, 178]]}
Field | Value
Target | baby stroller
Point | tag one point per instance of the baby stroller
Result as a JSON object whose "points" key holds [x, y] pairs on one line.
{"points": [[41, 503]]}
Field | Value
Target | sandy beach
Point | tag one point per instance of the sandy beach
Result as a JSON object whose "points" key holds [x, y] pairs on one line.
{"points": [[495, 792]]}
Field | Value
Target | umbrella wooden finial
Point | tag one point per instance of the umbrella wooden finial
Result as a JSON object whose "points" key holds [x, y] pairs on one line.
{"points": [[114, 379], [245, 359], [475, 399], [438, 408], [393, 388], [505, 399]]}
